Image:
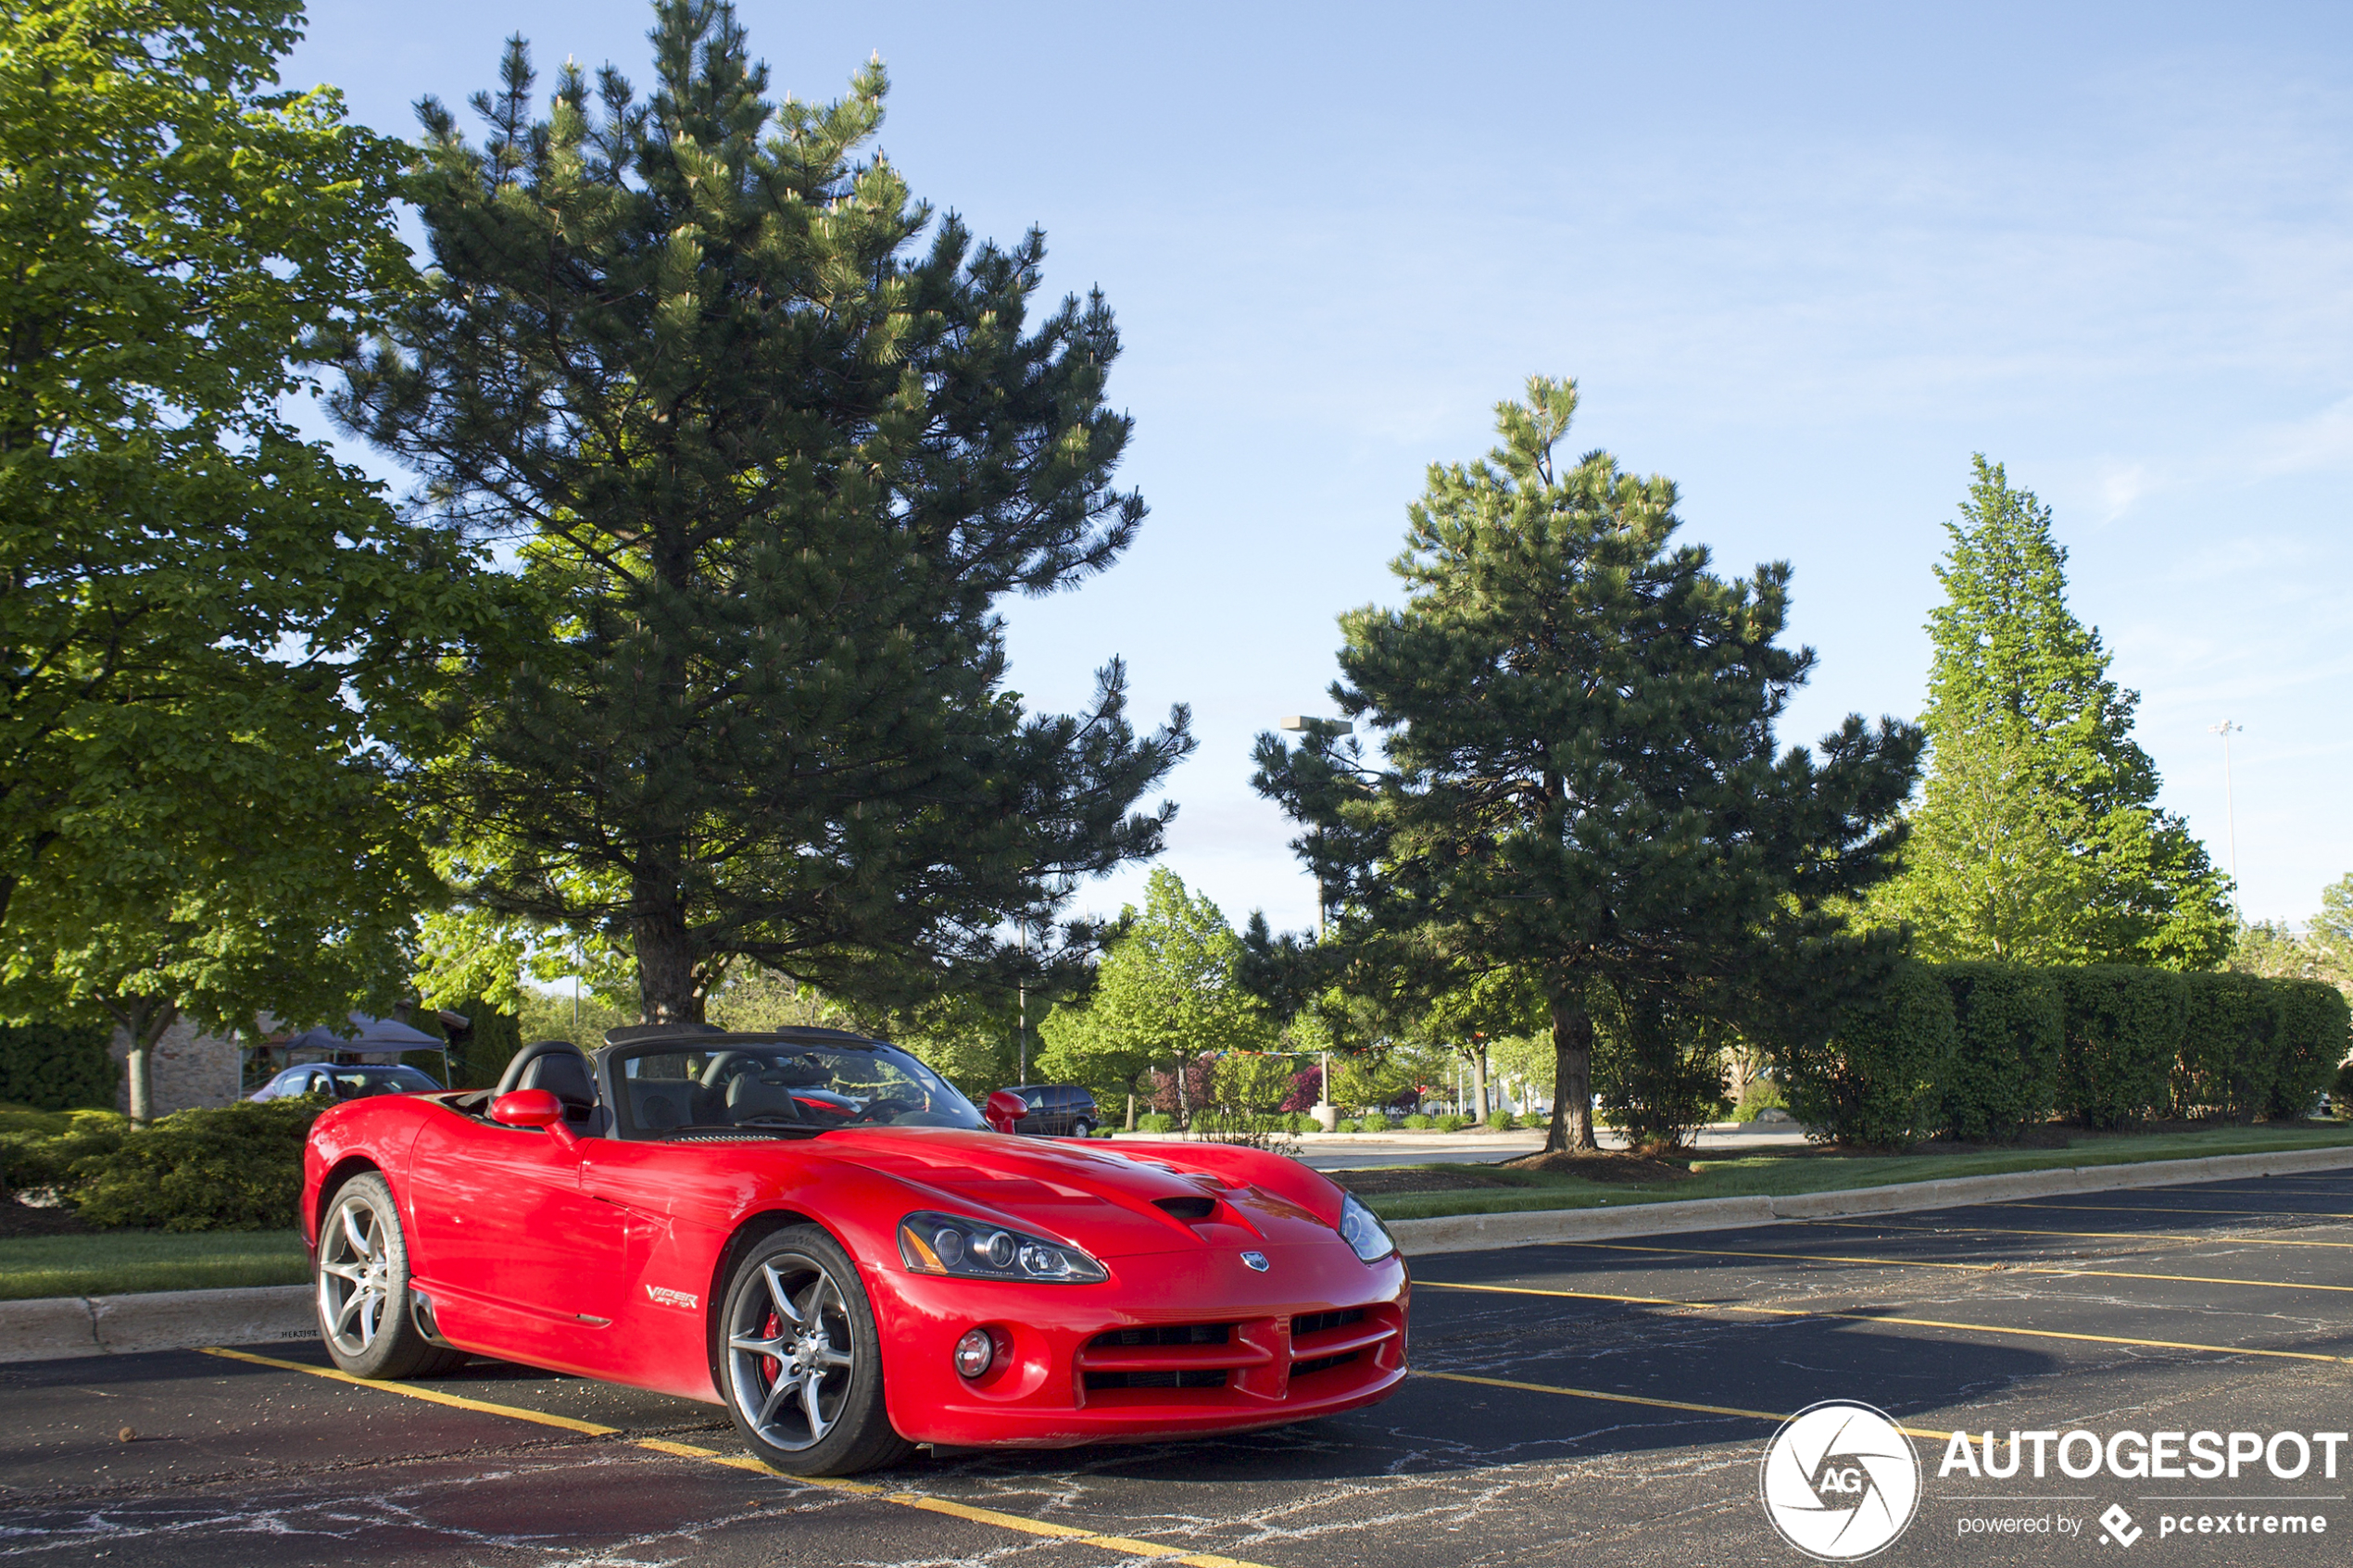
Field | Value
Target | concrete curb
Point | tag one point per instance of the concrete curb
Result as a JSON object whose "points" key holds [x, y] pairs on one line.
{"points": [[56, 1327], [1480, 1233]]}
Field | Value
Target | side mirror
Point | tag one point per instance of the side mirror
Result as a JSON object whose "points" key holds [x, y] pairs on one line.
{"points": [[532, 1108], [1004, 1109]]}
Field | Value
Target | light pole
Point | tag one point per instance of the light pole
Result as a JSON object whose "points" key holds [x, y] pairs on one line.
{"points": [[1325, 729], [2226, 729]]}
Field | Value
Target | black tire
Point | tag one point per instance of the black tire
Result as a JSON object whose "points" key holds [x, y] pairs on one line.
{"points": [[799, 1362], [360, 1286], [1082, 1128]]}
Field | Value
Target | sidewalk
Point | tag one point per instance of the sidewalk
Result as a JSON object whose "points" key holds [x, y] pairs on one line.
{"points": [[1360, 1151]]}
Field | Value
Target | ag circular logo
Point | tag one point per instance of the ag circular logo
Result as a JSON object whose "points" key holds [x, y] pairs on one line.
{"points": [[1839, 1481]]}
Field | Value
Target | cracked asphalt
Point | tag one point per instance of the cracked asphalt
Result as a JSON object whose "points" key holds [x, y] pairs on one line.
{"points": [[1602, 1403]]}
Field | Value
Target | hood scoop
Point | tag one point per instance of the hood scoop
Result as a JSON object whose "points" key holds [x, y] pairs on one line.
{"points": [[1187, 1208]]}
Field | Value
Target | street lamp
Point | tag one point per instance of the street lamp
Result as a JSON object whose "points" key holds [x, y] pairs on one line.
{"points": [[2226, 729], [1322, 729]]}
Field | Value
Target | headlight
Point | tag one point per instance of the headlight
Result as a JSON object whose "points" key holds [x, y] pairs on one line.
{"points": [[1362, 1231], [945, 1244]]}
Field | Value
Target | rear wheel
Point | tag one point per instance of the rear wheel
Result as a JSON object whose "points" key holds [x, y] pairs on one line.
{"points": [[801, 1364], [1082, 1128], [361, 1288]]}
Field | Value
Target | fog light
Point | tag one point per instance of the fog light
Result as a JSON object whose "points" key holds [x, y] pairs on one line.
{"points": [[975, 1352]]}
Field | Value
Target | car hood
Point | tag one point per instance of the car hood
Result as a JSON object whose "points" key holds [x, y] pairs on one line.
{"points": [[1112, 1202]]}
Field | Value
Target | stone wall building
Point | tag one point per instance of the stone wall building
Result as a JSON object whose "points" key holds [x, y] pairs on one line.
{"points": [[190, 1069]]}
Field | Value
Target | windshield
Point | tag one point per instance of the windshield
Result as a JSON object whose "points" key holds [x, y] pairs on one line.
{"points": [[353, 1082], [784, 1087]]}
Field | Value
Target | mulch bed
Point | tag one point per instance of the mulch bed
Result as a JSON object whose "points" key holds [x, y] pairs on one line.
{"points": [[1606, 1165], [22, 1219], [1407, 1178]]}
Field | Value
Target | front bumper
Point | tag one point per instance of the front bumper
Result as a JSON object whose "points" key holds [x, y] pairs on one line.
{"points": [[1171, 1346]]}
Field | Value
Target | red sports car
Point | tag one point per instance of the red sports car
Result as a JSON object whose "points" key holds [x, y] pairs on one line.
{"points": [[816, 1230]]}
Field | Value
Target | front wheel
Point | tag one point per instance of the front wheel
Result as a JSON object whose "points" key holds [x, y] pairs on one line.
{"points": [[362, 1289], [803, 1364], [1082, 1128]]}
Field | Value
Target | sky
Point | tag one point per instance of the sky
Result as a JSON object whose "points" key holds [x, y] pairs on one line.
{"points": [[1804, 261]]}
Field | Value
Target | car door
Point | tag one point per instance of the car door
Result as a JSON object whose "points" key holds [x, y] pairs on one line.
{"points": [[519, 1260]]}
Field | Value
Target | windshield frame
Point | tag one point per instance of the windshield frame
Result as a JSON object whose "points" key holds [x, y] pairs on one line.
{"points": [[613, 1082]]}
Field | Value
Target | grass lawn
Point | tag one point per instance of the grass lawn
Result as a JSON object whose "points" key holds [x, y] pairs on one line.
{"points": [[121, 1263], [1777, 1172]]}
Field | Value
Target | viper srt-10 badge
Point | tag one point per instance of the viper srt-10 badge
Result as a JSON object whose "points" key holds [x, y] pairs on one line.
{"points": [[1256, 1261]]}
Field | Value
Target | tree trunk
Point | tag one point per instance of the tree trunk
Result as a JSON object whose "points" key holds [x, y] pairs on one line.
{"points": [[1479, 1083], [669, 989], [1572, 1126], [1184, 1101], [144, 1021]]}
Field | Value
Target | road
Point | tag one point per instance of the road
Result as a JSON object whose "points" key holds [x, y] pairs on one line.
{"points": [[1572, 1403]]}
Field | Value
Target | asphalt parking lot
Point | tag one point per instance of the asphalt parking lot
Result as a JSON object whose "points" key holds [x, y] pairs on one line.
{"points": [[1587, 1402]]}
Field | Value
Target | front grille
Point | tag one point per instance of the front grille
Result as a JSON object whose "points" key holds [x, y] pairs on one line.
{"points": [[1320, 1363], [1214, 1378], [1316, 1323], [1167, 1334]]}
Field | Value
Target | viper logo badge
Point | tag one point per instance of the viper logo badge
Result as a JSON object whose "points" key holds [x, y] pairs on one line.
{"points": [[1257, 1260]]}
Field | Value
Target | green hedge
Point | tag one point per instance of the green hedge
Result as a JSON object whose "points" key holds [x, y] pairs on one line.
{"points": [[2124, 1031], [2230, 1048], [2104, 1045], [2316, 1028], [56, 1067], [1880, 1078], [2008, 1022]]}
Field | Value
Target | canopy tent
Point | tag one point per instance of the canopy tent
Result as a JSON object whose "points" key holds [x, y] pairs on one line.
{"points": [[367, 1039]]}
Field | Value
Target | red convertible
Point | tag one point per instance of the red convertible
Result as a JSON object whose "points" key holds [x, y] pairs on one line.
{"points": [[818, 1232]]}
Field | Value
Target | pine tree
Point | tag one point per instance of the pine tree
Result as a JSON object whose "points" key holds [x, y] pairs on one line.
{"points": [[2037, 839], [1581, 781], [771, 468]]}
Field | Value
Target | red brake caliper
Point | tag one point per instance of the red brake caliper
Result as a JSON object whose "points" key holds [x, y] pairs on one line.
{"points": [[772, 1365]]}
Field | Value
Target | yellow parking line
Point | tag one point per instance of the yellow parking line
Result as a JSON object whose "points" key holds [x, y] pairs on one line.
{"points": [[2086, 1235], [1801, 1257], [1639, 1400], [1973, 1268], [2170, 1208], [432, 1396], [1158, 1550], [2184, 1279], [1878, 1318]]}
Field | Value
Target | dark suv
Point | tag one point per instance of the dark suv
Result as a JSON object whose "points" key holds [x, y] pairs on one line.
{"points": [[1057, 1111]]}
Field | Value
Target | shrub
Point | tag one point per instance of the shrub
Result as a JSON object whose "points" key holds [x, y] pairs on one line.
{"points": [[56, 1067], [2229, 1046], [2122, 1030], [1451, 1122], [1155, 1122], [1535, 1121], [1878, 1078], [1658, 1068], [235, 1168], [2312, 1040], [2343, 1092], [1498, 1120], [1758, 1093], [2009, 1025], [1417, 1122], [39, 1148]]}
